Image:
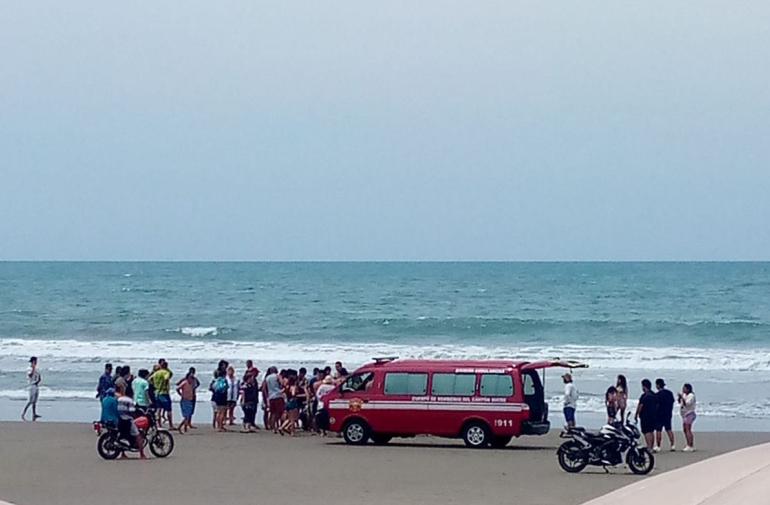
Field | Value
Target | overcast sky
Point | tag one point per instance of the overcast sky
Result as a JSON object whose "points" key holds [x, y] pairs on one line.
{"points": [[385, 130]]}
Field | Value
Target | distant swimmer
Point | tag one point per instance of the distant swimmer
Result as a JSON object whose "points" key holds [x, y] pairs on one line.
{"points": [[33, 386]]}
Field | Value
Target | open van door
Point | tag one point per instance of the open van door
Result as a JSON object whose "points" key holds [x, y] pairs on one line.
{"points": [[534, 393], [551, 363]]}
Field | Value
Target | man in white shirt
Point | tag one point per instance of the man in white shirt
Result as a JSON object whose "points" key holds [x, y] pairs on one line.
{"points": [[570, 399], [33, 385]]}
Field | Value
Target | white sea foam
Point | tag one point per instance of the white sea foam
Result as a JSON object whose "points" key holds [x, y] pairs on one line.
{"points": [[199, 331], [598, 357]]}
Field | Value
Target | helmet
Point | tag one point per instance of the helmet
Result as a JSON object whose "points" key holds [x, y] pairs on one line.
{"points": [[142, 422]]}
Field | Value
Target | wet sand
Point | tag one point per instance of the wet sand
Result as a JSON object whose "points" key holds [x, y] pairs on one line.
{"points": [[45, 463]]}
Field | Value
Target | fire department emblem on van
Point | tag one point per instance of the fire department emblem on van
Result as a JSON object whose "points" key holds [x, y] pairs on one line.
{"points": [[355, 404]]}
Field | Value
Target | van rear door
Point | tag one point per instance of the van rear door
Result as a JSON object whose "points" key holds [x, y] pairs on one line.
{"points": [[534, 393]]}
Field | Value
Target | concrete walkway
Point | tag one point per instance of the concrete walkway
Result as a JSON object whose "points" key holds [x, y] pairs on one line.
{"points": [[739, 477]]}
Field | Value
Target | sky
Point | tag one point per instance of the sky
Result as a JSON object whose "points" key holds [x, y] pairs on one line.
{"points": [[399, 130]]}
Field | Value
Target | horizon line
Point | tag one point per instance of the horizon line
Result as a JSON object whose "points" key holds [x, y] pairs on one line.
{"points": [[384, 260]]}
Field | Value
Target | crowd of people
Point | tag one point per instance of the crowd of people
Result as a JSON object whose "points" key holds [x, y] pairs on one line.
{"points": [[290, 399], [654, 410]]}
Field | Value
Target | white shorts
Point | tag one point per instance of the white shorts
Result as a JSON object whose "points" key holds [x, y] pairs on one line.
{"points": [[34, 393]]}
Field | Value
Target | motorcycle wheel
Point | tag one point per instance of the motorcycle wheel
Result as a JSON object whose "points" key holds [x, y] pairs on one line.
{"points": [[640, 461], [572, 457], [107, 446], [162, 443]]}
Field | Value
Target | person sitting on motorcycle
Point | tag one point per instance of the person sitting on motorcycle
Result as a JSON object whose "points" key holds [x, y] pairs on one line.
{"points": [[110, 416], [126, 410]]}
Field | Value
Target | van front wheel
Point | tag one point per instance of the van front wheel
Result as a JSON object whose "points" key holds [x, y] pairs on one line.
{"points": [[356, 432], [476, 435]]}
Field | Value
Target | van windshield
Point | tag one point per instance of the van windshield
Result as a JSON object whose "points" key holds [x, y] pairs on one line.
{"points": [[359, 382]]}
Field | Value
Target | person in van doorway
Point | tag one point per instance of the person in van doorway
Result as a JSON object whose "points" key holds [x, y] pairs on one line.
{"points": [[647, 413], [570, 400], [621, 386], [33, 386], [686, 401], [665, 412]]}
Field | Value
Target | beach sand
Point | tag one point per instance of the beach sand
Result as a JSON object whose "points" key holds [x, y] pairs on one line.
{"points": [[45, 463]]}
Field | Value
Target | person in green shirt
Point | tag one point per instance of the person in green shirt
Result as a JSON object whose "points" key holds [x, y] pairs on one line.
{"points": [[161, 380], [141, 387]]}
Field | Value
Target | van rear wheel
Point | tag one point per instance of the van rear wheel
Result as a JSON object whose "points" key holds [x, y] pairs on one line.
{"points": [[476, 435], [356, 432]]}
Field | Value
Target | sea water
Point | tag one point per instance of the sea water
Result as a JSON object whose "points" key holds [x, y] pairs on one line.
{"points": [[703, 323]]}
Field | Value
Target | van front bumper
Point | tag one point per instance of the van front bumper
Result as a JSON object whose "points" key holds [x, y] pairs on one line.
{"points": [[536, 428]]}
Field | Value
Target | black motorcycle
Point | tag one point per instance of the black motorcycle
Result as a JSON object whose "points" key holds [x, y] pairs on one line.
{"points": [[115, 441], [607, 447]]}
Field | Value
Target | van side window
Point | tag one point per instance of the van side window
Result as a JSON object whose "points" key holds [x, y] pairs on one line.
{"points": [[453, 384], [359, 382], [529, 385], [496, 385], [406, 383]]}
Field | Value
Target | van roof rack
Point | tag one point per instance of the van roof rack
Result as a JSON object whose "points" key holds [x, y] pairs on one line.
{"points": [[384, 359]]}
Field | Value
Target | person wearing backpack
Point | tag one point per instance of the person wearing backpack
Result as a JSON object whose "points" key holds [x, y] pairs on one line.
{"points": [[218, 390]]}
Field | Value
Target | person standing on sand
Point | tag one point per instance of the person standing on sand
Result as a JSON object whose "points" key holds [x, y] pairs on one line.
{"points": [[275, 399], [647, 412], [686, 401], [611, 402], [570, 400], [161, 379], [186, 389], [105, 382], [621, 385], [233, 392], [665, 412], [33, 386], [249, 402], [141, 390]]}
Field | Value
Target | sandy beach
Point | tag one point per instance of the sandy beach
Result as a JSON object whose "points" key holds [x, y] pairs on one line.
{"points": [[57, 463]]}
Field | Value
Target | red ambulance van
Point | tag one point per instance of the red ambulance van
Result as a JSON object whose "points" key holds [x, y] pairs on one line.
{"points": [[486, 403]]}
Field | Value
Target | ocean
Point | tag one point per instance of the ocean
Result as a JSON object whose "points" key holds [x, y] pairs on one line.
{"points": [[704, 323]]}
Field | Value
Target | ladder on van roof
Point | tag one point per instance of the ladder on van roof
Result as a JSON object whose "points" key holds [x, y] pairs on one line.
{"points": [[384, 359]]}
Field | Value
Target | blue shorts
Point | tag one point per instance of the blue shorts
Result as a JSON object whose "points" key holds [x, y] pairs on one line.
{"points": [[569, 415], [164, 402], [188, 408]]}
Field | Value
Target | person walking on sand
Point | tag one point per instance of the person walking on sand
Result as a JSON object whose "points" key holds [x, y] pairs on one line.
{"points": [[686, 401], [665, 413], [621, 385], [570, 400], [33, 386], [647, 412]]}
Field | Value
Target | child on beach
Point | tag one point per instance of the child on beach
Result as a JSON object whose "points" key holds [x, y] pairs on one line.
{"points": [[611, 403], [686, 401]]}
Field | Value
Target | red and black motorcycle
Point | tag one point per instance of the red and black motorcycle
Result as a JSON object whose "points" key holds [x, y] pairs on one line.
{"points": [[114, 441]]}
